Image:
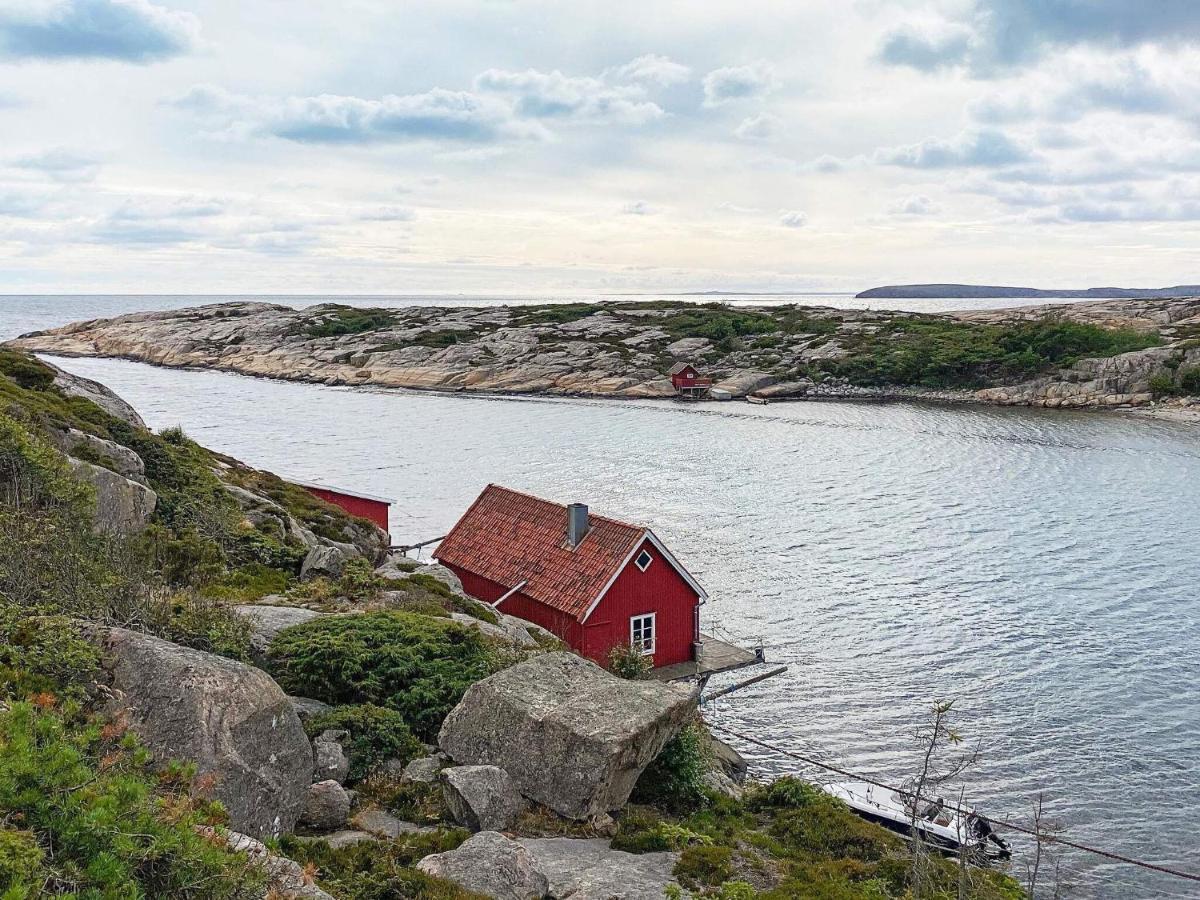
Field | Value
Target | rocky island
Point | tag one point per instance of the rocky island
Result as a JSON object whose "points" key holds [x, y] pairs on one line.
{"points": [[214, 684], [1115, 353]]}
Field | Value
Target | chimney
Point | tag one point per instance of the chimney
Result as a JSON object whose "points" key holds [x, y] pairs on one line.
{"points": [[577, 524]]}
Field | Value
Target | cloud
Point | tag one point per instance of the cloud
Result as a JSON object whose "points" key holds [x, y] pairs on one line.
{"points": [[984, 148], [133, 31], [637, 208], [388, 214], [926, 50], [793, 219], [738, 83], [653, 69], [917, 205], [553, 95], [59, 165], [436, 115], [756, 128]]}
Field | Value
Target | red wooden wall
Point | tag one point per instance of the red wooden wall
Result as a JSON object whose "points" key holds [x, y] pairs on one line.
{"points": [[373, 510], [660, 590]]}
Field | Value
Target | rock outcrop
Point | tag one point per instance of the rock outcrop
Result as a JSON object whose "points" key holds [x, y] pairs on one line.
{"points": [[329, 759], [267, 621], [488, 863], [482, 798], [327, 807], [85, 388], [591, 870], [571, 735], [233, 721], [285, 878]]}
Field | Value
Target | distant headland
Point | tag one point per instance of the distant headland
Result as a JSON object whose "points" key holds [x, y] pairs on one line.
{"points": [[984, 291]]}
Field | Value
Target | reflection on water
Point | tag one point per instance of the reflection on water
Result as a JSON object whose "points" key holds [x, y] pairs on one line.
{"points": [[1039, 568]]}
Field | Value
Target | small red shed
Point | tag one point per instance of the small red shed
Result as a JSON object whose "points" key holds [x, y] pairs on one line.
{"points": [[593, 581], [688, 381], [366, 506]]}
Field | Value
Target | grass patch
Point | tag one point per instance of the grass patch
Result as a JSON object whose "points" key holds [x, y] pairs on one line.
{"points": [[343, 320]]}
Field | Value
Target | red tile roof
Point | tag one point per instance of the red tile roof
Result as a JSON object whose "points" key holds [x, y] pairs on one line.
{"points": [[509, 537]]}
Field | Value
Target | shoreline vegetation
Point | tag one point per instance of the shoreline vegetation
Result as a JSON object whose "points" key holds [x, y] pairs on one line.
{"points": [[1102, 354], [993, 292], [156, 598]]}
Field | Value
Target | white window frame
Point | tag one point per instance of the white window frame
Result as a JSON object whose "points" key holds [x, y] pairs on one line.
{"points": [[640, 645], [638, 562]]}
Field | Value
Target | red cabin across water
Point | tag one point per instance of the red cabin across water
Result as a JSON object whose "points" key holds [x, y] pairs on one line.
{"points": [[595, 582], [687, 380], [366, 506]]}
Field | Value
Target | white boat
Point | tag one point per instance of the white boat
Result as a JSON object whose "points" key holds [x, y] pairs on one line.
{"points": [[936, 821]]}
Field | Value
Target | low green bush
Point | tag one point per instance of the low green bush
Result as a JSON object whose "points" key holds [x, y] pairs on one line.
{"points": [[415, 665], [370, 871], [376, 735], [630, 663], [1189, 381], [703, 866], [1163, 385], [675, 779], [44, 654], [115, 829], [644, 831]]}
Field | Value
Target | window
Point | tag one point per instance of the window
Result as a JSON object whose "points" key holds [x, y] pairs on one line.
{"points": [[641, 633], [643, 561]]}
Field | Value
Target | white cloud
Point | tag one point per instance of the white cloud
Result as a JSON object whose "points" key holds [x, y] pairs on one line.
{"points": [[969, 148], [793, 219], [653, 69], [637, 208], [553, 95], [756, 128], [916, 205], [58, 164], [738, 83]]}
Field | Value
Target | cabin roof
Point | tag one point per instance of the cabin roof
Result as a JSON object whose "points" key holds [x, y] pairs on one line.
{"points": [[312, 485], [512, 538], [680, 366]]}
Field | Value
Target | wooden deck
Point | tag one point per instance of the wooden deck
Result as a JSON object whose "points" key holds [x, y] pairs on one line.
{"points": [[714, 656]]}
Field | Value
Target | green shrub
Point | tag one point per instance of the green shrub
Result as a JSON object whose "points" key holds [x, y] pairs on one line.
{"points": [[704, 866], [44, 654], [1189, 381], [27, 371], [737, 890], [787, 792], [643, 831], [371, 871], [1163, 385], [376, 735], [416, 665], [20, 860], [194, 620], [675, 780], [358, 582], [348, 320], [115, 829], [630, 663], [413, 801]]}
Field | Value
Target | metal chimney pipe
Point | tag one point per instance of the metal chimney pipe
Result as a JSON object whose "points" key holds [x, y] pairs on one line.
{"points": [[577, 523]]}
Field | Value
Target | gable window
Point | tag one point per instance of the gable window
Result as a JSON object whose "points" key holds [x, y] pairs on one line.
{"points": [[643, 561], [641, 633]]}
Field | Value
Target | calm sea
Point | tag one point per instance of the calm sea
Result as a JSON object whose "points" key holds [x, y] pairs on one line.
{"points": [[1038, 568]]}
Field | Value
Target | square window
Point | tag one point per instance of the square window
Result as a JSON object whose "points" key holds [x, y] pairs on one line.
{"points": [[643, 561], [641, 633]]}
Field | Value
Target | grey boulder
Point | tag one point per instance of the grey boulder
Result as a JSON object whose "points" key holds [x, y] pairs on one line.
{"points": [[481, 798], [327, 807], [571, 735], [325, 559], [307, 708], [122, 506], [329, 759], [267, 621], [488, 863], [232, 720], [590, 870], [426, 769], [285, 879]]}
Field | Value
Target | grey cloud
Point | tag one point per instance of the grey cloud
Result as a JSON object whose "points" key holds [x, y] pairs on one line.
{"points": [[793, 219], [924, 50], [637, 208], [984, 148], [134, 31], [388, 214], [59, 165], [737, 83], [756, 128]]}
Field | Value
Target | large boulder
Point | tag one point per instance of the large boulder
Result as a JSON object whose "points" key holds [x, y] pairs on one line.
{"points": [[488, 863], [232, 720], [482, 798], [571, 735], [122, 506], [591, 870], [329, 759], [326, 559]]}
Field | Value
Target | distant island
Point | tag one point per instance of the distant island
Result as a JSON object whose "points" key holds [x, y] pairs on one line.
{"points": [[984, 291]]}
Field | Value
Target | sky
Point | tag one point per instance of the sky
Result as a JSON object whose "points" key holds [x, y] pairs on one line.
{"points": [[552, 148]]}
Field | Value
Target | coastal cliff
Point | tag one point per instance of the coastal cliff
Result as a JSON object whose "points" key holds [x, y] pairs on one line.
{"points": [[1099, 354]]}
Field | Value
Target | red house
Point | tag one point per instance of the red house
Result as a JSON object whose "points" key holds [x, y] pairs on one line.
{"points": [[366, 506], [687, 380], [593, 581]]}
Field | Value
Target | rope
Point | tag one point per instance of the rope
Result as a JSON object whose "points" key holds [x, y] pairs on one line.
{"points": [[999, 823]]}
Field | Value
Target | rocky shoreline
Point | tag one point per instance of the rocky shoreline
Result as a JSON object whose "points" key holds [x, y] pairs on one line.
{"points": [[623, 350]]}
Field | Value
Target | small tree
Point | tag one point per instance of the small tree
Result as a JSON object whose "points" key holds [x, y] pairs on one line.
{"points": [[629, 662]]}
